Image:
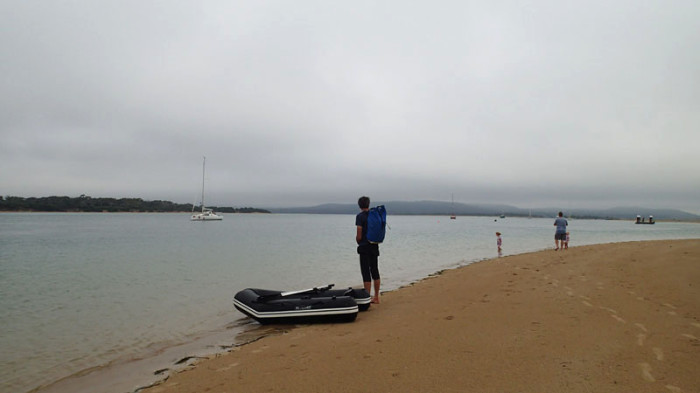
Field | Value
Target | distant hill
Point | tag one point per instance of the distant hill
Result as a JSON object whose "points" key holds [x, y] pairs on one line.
{"points": [[429, 208], [439, 208], [632, 212], [409, 208]]}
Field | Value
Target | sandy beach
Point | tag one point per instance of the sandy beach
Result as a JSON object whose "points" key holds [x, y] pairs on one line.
{"points": [[603, 318]]}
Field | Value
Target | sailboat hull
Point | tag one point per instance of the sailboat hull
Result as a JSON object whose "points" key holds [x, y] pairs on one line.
{"points": [[206, 217]]}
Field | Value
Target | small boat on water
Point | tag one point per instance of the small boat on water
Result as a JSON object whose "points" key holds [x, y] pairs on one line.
{"points": [[640, 220], [311, 305], [206, 215]]}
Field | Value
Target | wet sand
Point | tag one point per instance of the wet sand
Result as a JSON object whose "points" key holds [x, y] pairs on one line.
{"points": [[604, 318]]}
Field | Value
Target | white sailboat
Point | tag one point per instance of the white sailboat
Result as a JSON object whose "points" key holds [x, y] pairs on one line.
{"points": [[206, 214]]}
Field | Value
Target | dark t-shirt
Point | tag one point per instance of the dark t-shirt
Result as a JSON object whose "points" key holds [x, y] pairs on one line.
{"points": [[361, 221]]}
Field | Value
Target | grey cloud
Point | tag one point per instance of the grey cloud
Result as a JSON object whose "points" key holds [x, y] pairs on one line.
{"points": [[303, 103]]}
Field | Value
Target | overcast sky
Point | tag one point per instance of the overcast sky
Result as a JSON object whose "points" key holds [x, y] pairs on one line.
{"points": [[530, 103]]}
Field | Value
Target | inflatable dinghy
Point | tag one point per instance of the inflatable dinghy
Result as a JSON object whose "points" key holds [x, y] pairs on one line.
{"points": [[311, 305]]}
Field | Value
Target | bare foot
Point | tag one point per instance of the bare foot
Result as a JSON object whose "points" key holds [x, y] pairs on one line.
{"points": [[375, 300]]}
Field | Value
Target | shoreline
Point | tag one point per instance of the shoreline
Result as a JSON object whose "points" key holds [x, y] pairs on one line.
{"points": [[186, 357], [560, 331], [153, 370]]}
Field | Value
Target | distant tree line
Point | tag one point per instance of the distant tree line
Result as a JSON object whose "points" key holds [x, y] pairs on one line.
{"points": [[85, 203]]}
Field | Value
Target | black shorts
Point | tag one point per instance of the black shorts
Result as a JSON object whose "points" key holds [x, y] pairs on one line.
{"points": [[560, 236], [369, 267], [368, 249], [369, 261]]}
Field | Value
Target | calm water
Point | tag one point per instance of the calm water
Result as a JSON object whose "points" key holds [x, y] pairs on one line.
{"points": [[82, 291]]}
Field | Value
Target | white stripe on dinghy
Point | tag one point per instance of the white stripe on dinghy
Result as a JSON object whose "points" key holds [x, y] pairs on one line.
{"points": [[297, 313]]}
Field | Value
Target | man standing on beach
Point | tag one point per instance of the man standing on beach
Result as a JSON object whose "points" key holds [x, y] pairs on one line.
{"points": [[560, 235], [369, 253]]}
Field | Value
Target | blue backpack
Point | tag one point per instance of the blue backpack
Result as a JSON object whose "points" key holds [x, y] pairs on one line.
{"points": [[376, 224]]}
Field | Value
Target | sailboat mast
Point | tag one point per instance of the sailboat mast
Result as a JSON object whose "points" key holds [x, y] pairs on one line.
{"points": [[204, 162]]}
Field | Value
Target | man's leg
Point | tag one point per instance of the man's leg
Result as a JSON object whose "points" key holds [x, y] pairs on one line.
{"points": [[375, 299], [366, 272]]}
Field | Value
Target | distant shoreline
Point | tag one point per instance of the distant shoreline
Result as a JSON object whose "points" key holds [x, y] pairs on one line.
{"points": [[694, 221], [124, 212], [87, 204]]}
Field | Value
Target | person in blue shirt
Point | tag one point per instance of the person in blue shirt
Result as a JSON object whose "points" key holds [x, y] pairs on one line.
{"points": [[560, 235], [369, 253]]}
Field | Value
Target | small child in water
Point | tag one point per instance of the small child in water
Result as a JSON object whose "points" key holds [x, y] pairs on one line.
{"points": [[566, 242], [499, 242]]}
